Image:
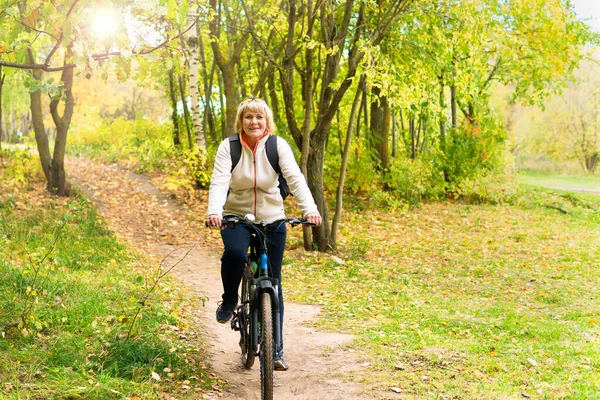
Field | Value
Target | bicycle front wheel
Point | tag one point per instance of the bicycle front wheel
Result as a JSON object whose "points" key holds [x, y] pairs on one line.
{"points": [[245, 322], [266, 348]]}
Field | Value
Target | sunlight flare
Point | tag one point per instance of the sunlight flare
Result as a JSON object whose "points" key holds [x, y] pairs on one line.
{"points": [[104, 24]]}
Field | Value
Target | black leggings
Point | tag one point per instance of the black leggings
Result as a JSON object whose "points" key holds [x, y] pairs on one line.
{"points": [[236, 242]]}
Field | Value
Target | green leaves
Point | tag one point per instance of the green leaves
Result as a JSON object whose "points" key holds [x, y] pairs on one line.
{"points": [[53, 88]]}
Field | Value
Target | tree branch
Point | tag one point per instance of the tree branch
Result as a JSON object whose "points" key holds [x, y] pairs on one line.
{"points": [[56, 46], [43, 67], [39, 31], [104, 56], [97, 57]]}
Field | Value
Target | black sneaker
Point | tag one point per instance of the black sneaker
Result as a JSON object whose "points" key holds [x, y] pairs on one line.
{"points": [[225, 312], [278, 362]]}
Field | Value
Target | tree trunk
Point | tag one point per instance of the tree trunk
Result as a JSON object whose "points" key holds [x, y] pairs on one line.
{"points": [[273, 100], [424, 137], [412, 133], [174, 117], [186, 112], [591, 162], [13, 124], [394, 135], [39, 129], [2, 76], [453, 103], [445, 170], [208, 74], [58, 183], [25, 123], [403, 130], [222, 107], [195, 95], [380, 128], [316, 159], [231, 99], [365, 108], [131, 109], [345, 155], [442, 115]]}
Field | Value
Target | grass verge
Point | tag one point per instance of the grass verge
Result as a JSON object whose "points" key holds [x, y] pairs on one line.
{"points": [[565, 182], [71, 321]]}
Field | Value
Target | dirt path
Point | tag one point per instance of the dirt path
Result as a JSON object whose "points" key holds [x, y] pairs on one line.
{"points": [[320, 363]]}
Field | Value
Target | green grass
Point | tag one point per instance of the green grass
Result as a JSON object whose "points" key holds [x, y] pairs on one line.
{"points": [[467, 301], [584, 182], [69, 291]]}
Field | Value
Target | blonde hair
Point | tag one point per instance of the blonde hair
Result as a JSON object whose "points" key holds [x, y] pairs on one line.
{"points": [[254, 104]]}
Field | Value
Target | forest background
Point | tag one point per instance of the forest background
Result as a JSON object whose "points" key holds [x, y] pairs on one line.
{"points": [[424, 94], [396, 104]]}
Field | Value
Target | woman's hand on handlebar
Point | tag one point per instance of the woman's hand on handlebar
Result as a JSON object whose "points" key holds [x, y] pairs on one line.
{"points": [[314, 219], [214, 220]]}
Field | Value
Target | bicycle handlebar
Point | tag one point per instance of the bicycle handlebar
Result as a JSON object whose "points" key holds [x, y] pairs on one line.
{"points": [[230, 221]]}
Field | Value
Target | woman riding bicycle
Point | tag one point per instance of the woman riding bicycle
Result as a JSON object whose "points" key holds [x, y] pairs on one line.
{"points": [[251, 187]]}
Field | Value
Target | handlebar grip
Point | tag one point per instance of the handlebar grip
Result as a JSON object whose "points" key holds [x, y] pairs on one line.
{"points": [[299, 221], [225, 222]]}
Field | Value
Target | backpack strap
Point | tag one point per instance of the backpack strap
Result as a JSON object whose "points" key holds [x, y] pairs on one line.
{"points": [[272, 153], [235, 149], [273, 156]]}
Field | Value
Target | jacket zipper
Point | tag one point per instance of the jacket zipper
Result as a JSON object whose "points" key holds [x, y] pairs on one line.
{"points": [[255, 197]]}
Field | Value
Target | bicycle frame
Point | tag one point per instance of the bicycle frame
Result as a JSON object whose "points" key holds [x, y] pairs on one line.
{"points": [[258, 315], [263, 283]]}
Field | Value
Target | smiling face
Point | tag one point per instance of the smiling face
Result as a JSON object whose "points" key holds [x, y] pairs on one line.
{"points": [[254, 125], [254, 119]]}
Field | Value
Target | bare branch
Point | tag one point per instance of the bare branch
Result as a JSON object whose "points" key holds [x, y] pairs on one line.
{"points": [[56, 46], [97, 57], [149, 291], [34, 29], [104, 56]]}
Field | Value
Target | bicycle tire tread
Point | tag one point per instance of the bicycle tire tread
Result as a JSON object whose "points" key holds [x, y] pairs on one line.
{"points": [[266, 348]]}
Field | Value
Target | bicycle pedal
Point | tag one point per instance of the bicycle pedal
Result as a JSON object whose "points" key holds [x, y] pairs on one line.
{"points": [[235, 325]]}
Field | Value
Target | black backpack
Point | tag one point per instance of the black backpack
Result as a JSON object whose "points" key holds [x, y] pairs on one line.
{"points": [[235, 149]]}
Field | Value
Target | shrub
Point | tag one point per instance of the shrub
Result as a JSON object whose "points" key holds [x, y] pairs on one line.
{"points": [[415, 180], [474, 149], [493, 182], [141, 143], [492, 188], [187, 171], [19, 167], [360, 176]]}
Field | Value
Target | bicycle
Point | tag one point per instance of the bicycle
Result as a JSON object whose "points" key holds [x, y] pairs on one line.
{"points": [[257, 317]]}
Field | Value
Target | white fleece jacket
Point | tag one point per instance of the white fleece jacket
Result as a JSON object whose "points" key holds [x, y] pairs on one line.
{"points": [[252, 186]]}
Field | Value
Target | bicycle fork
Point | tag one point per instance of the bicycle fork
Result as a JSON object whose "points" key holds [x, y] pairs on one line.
{"points": [[271, 286]]}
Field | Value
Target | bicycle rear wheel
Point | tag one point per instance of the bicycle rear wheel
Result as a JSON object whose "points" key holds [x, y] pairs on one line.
{"points": [[266, 348], [245, 322]]}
